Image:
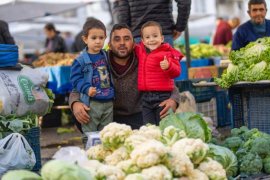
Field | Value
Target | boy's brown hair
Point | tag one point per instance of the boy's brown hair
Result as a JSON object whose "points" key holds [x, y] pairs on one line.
{"points": [[151, 23], [93, 23]]}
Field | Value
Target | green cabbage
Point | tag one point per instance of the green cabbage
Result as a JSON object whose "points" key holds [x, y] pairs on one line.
{"points": [[21, 175]]}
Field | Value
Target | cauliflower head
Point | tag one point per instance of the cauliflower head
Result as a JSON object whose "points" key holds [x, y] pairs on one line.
{"points": [[110, 173], [128, 166], [159, 172], [118, 155], [213, 169], [179, 164], [114, 134], [136, 176], [149, 153], [133, 141], [196, 149], [171, 135], [150, 132], [97, 152], [91, 165], [197, 175]]}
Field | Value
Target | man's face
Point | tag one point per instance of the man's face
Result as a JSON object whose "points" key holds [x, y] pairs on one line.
{"points": [[257, 13], [121, 43]]}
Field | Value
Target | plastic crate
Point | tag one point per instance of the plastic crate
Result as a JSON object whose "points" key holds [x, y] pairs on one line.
{"points": [[250, 107], [201, 94], [33, 138], [223, 108], [208, 109]]}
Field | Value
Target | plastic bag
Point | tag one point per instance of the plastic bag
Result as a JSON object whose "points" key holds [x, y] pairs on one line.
{"points": [[71, 154], [16, 153], [22, 92]]}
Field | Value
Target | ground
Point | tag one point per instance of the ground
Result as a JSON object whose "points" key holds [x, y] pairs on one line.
{"points": [[51, 141]]}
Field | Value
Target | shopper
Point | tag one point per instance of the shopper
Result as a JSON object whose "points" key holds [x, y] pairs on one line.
{"points": [[136, 13], [124, 67], [54, 42], [256, 27], [5, 36], [158, 66], [91, 78]]}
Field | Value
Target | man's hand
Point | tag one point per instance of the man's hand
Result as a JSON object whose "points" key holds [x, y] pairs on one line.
{"points": [[80, 112], [176, 34], [167, 104], [92, 91]]}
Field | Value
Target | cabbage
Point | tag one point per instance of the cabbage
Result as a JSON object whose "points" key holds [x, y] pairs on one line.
{"points": [[21, 175], [61, 170], [225, 157]]}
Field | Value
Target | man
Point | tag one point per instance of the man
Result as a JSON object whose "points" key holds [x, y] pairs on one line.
{"points": [[5, 36], [256, 27], [124, 66], [136, 13], [223, 34]]}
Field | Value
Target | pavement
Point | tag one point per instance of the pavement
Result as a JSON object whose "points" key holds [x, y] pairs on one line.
{"points": [[51, 141]]}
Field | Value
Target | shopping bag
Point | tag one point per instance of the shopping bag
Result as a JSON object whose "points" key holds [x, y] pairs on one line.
{"points": [[15, 153]]}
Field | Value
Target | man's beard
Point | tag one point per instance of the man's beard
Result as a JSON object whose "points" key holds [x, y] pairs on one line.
{"points": [[118, 55]]}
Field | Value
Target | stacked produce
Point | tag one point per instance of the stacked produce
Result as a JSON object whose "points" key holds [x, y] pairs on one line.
{"points": [[55, 59], [252, 148], [250, 63], [202, 50]]}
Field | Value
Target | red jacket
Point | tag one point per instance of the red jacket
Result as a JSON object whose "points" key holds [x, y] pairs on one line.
{"points": [[223, 33], [150, 75]]}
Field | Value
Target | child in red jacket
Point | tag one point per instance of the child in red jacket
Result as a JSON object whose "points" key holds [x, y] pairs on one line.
{"points": [[158, 66]]}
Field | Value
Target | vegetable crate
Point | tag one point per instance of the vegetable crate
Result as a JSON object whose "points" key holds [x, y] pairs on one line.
{"points": [[33, 138], [250, 106], [208, 109], [223, 108], [201, 94]]}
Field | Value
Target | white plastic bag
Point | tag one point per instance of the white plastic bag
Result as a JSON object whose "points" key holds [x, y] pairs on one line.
{"points": [[16, 153], [21, 92], [71, 154]]}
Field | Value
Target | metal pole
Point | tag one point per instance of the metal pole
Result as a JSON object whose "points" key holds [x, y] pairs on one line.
{"points": [[187, 46]]}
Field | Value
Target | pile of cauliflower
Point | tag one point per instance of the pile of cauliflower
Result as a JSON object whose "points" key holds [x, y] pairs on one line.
{"points": [[150, 154]]}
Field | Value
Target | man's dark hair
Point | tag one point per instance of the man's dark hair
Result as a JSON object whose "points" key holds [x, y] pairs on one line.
{"points": [[252, 2], [151, 23], [118, 27], [92, 23], [50, 27]]}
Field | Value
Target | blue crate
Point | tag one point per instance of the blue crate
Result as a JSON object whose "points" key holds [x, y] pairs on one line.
{"points": [[33, 138], [201, 94], [250, 106], [223, 108]]}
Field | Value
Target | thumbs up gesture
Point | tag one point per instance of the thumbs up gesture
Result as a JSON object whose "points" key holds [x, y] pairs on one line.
{"points": [[164, 64]]}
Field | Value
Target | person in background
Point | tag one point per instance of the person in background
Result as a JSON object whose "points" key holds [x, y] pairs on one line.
{"points": [[223, 34], [124, 67], [136, 13], [54, 42], [69, 40], [5, 36], [90, 76], [158, 66], [256, 27]]}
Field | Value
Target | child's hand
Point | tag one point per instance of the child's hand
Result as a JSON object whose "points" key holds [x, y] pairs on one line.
{"points": [[92, 91], [164, 64]]}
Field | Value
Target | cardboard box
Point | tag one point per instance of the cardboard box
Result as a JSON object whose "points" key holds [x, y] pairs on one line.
{"points": [[203, 72]]}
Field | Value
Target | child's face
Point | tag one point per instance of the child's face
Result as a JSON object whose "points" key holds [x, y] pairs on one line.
{"points": [[152, 37], [95, 40]]}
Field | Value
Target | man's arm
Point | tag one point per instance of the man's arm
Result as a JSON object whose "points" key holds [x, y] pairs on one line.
{"points": [[172, 102], [121, 11], [79, 109], [183, 14]]}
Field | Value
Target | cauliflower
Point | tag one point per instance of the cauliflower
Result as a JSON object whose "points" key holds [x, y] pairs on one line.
{"points": [[91, 165], [149, 153], [196, 149], [128, 167], [197, 175], [110, 173], [150, 132], [179, 164], [113, 135], [172, 134], [97, 152], [118, 155], [136, 176], [159, 172], [133, 141], [213, 169]]}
